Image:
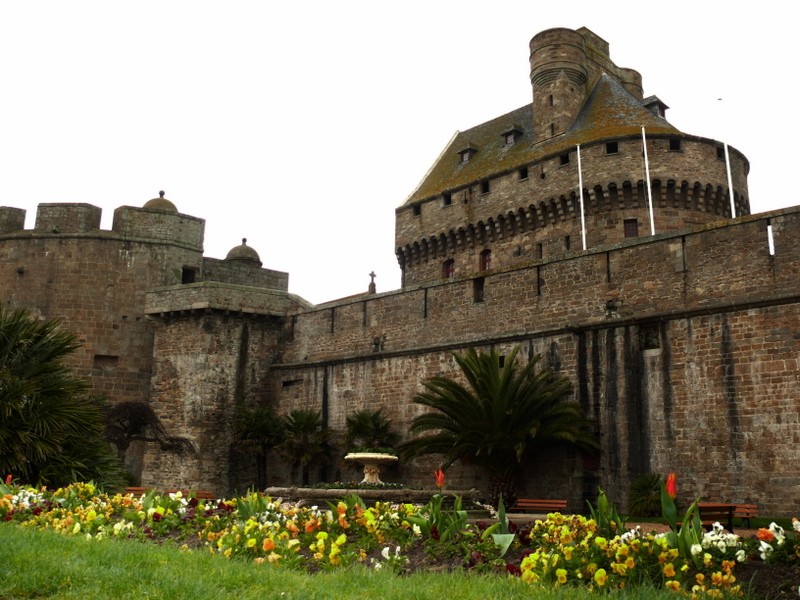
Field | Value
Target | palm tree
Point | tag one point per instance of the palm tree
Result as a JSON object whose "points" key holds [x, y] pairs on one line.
{"points": [[51, 429], [259, 430], [369, 430], [501, 419], [307, 442]]}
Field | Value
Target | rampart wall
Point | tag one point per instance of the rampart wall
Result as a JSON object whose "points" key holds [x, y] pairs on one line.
{"points": [[684, 347]]}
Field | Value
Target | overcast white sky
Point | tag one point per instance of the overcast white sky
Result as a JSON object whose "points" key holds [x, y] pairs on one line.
{"points": [[303, 125]]}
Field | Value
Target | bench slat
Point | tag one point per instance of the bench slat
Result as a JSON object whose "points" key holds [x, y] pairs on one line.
{"points": [[538, 505]]}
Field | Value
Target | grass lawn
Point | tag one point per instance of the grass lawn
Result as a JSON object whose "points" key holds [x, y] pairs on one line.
{"points": [[44, 564]]}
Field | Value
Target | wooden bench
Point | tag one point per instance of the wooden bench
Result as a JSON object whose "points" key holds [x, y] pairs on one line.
{"points": [[543, 506], [745, 512], [716, 512]]}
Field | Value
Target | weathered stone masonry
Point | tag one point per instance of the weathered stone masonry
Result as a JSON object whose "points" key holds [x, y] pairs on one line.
{"points": [[683, 346]]}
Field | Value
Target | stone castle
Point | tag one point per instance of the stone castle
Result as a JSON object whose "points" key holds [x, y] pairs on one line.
{"points": [[583, 227]]}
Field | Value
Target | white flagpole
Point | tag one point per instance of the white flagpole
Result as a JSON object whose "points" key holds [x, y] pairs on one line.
{"points": [[647, 184], [580, 190], [730, 180]]}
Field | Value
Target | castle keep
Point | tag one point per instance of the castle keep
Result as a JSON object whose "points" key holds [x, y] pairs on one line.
{"points": [[681, 338]]}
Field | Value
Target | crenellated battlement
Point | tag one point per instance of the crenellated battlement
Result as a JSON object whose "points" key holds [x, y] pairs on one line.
{"points": [[516, 217]]}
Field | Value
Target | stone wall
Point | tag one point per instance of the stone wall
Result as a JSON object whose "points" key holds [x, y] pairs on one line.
{"points": [[683, 347]]}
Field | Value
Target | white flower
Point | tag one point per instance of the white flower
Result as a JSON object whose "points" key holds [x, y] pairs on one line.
{"points": [[696, 549], [741, 556], [765, 550], [385, 553]]}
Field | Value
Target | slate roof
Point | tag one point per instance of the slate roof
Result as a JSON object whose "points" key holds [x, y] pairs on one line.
{"points": [[609, 111]]}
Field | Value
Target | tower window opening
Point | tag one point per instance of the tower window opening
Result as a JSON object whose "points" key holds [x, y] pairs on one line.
{"points": [[550, 100], [564, 159], [478, 286], [612, 147], [447, 199], [448, 268], [416, 210], [720, 153], [552, 129], [485, 186], [510, 139], [567, 242], [539, 251], [485, 262], [188, 275], [523, 172], [674, 144], [631, 227]]}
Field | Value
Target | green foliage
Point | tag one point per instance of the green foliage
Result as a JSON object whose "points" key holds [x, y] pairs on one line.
{"points": [[306, 441], [51, 428], [258, 431], [440, 523], [504, 416], [690, 532], [609, 522], [645, 495], [370, 430]]}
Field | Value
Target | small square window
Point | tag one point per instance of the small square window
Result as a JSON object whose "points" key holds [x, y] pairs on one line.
{"points": [[674, 144], [416, 210], [523, 173], [485, 186], [564, 159], [188, 275], [447, 199], [612, 147], [510, 139], [631, 228]]}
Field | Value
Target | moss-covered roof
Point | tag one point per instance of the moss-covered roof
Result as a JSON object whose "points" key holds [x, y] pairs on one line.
{"points": [[609, 111]]}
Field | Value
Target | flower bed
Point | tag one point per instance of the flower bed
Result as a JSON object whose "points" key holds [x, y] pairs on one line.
{"points": [[558, 551]]}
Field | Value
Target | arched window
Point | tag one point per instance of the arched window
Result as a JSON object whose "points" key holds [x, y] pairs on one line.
{"points": [[485, 262], [448, 268]]}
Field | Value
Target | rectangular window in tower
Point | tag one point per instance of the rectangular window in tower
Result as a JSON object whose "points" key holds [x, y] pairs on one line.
{"points": [[538, 252], [188, 275], [612, 147], [447, 199], [485, 186], [478, 286], [567, 242], [720, 153], [674, 144], [631, 228], [416, 210], [523, 172], [485, 262], [448, 269], [564, 159]]}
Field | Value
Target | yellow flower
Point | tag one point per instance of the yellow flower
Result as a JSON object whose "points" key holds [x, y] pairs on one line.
{"points": [[669, 570], [600, 577], [561, 576], [673, 585]]}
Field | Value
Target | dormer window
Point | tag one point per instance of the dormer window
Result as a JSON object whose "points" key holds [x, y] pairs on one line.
{"points": [[511, 135], [466, 154]]}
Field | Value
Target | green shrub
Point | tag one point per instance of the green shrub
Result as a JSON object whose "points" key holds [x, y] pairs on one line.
{"points": [[645, 496]]}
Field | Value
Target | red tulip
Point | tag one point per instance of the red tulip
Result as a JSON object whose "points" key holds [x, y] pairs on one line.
{"points": [[672, 487], [9, 478], [439, 475]]}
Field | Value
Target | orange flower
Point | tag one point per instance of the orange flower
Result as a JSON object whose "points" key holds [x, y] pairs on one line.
{"points": [[9, 478], [439, 475], [672, 486], [765, 535]]}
